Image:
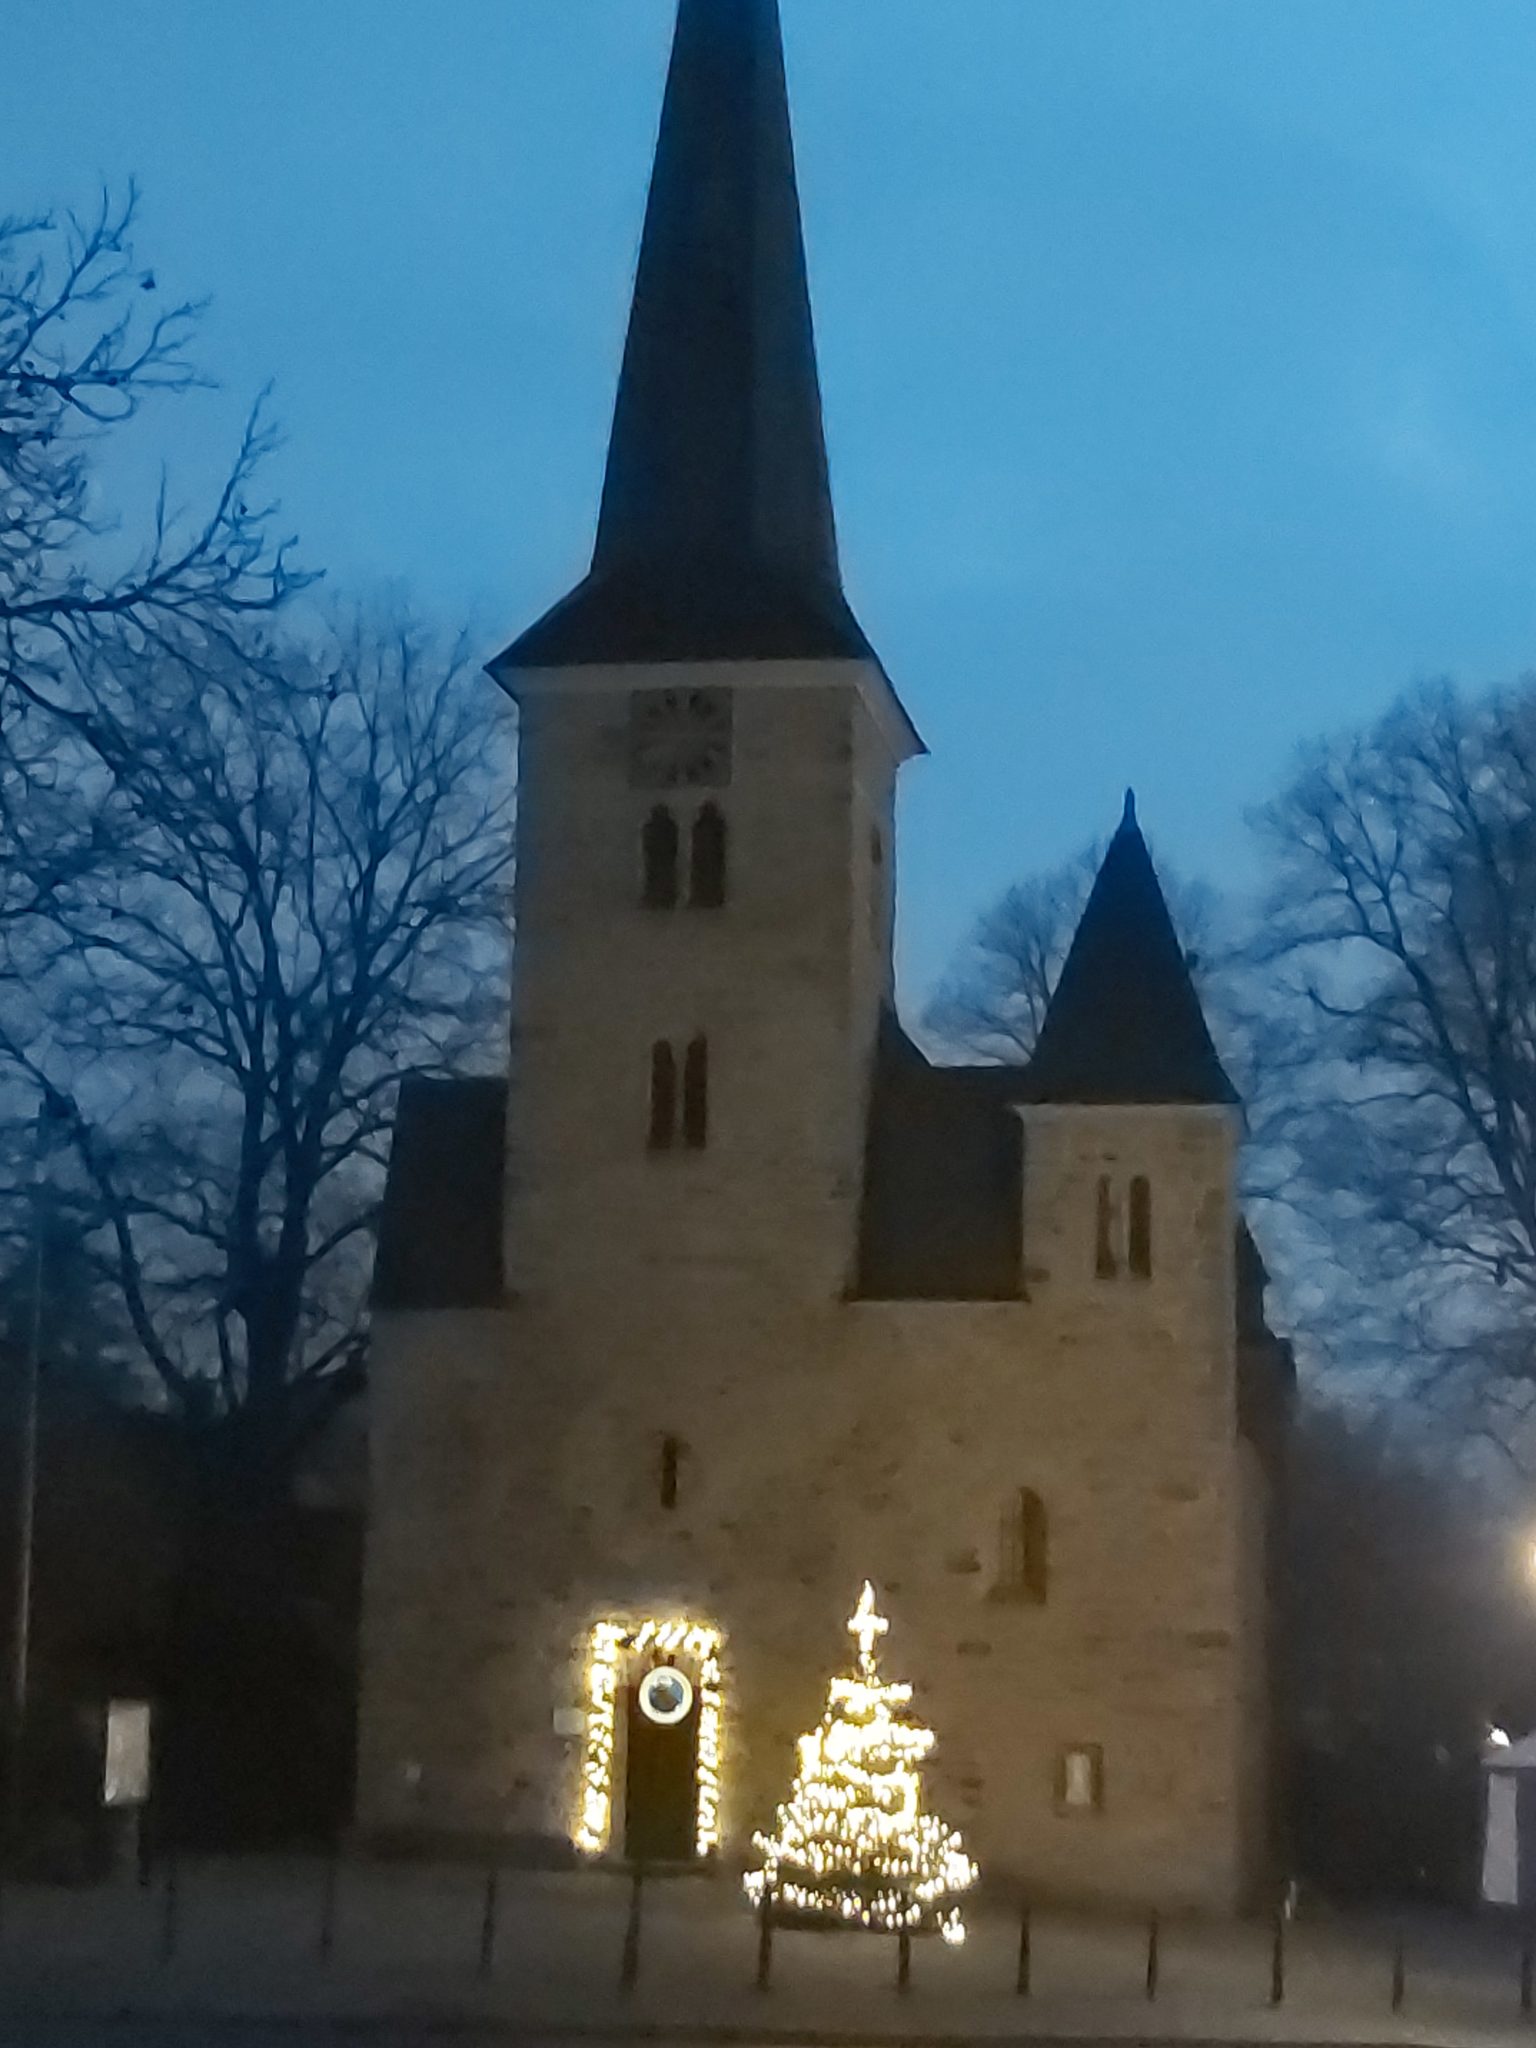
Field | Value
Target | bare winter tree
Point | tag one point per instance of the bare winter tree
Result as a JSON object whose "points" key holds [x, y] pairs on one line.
{"points": [[1402, 922], [1407, 1626], [993, 999], [82, 348], [298, 893], [246, 883], [85, 349]]}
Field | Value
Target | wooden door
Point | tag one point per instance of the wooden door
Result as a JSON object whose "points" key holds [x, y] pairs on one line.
{"points": [[660, 1777]]}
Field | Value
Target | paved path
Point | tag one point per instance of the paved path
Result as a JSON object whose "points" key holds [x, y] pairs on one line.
{"points": [[175, 2034], [254, 2034], [398, 1963], [191, 2034]]}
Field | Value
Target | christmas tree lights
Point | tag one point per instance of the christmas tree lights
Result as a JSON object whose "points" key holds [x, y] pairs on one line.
{"points": [[851, 1844]]}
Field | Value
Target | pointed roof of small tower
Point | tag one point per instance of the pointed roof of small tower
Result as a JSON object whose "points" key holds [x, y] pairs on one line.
{"points": [[1125, 1023], [716, 538]]}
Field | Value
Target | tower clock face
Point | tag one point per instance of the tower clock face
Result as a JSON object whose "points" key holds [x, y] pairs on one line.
{"points": [[680, 739]]}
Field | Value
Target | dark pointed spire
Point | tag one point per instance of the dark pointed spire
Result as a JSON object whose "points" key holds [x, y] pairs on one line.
{"points": [[1125, 1023], [716, 536]]}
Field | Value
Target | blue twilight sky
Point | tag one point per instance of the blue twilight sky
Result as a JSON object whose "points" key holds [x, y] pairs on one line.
{"points": [[1179, 355]]}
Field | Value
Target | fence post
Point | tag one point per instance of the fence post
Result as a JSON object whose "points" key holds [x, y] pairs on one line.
{"points": [[904, 1961], [1026, 1958], [148, 1842], [764, 1938], [1399, 1972], [488, 1922], [170, 1907], [1154, 1956], [629, 1962], [1277, 1959], [1527, 1966], [328, 1890]]}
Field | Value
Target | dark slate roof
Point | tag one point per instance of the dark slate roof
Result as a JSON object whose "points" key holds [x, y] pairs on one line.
{"points": [[440, 1243], [1125, 1023], [716, 537], [943, 1180]]}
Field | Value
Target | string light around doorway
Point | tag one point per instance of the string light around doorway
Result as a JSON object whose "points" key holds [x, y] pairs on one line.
{"points": [[608, 1646]]}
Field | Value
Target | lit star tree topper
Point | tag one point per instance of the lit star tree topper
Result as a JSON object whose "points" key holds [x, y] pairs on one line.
{"points": [[852, 1844]]}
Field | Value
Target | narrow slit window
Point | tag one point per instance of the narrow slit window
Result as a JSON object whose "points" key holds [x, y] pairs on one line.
{"points": [[1024, 1563], [671, 1453], [1104, 1261], [696, 1095], [1138, 1247], [663, 1096], [707, 869], [658, 848], [877, 893]]}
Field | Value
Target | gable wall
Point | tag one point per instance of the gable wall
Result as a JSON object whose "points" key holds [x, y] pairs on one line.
{"points": [[516, 1460]]}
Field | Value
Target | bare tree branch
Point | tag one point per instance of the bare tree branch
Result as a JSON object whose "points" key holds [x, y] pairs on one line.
{"points": [[1400, 938], [297, 891]]}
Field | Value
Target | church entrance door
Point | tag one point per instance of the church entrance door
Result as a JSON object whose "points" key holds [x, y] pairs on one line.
{"points": [[661, 1767]]}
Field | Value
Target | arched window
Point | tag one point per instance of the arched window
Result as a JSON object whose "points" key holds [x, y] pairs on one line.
{"points": [[1138, 1236], [1104, 1262], [1024, 1562], [707, 867], [671, 1453], [696, 1095], [663, 1096], [658, 846]]}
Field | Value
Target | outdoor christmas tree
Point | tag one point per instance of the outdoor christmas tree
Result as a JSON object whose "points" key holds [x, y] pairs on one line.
{"points": [[852, 1844]]}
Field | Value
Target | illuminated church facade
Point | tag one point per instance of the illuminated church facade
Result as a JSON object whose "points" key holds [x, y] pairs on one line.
{"points": [[729, 1298]]}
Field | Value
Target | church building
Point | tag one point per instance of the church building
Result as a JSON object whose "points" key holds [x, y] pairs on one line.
{"points": [[729, 1298]]}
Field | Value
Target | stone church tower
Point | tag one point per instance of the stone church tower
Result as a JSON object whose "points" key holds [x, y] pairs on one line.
{"points": [[731, 1298]]}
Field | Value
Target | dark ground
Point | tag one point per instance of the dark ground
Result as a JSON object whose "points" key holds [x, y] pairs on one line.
{"points": [[175, 2034]]}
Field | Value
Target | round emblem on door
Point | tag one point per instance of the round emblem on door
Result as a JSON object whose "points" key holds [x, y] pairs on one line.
{"points": [[665, 1696]]}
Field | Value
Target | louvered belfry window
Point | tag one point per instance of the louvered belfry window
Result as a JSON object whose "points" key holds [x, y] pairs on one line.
{"points": [[663, 1096], [696, 1095], [658, 852], [707, 864]]}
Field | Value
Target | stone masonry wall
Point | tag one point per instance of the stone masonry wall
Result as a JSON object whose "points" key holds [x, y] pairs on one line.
{"points": [[826, 1442]]}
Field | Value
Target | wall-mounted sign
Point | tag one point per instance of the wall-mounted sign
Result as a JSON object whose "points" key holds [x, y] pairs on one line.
{"points": [[666, 1695], [1080, 1780], [125, 1773]]}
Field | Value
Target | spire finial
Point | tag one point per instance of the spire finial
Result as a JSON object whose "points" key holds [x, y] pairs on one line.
{"points": [[1128, 817]]}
